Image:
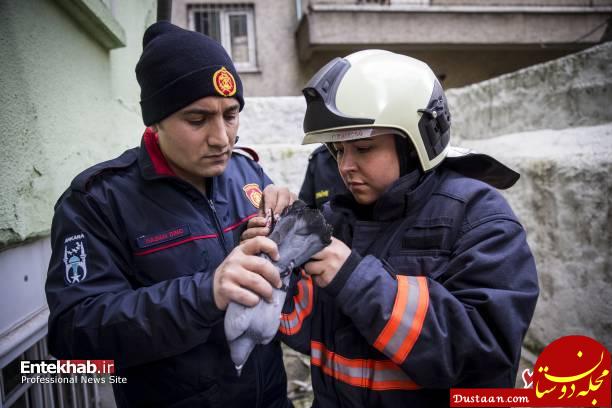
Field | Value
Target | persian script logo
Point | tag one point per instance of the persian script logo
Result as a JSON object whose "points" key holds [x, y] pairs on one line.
{"points": [[572, 371], [74, 259]]}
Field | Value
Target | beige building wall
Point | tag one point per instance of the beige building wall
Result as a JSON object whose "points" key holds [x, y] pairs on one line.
{"points": [[464, 41], [278, 69]]}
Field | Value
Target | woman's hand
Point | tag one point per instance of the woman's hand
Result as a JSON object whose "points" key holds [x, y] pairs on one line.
{"points": [[326, 263]]}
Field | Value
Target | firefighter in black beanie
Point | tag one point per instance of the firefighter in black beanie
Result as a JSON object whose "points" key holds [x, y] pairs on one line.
{"points": [[146, 247]]}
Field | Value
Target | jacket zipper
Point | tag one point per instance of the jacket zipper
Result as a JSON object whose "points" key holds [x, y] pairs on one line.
{"points": [[258, 383], [218, 224], [216, 217]]}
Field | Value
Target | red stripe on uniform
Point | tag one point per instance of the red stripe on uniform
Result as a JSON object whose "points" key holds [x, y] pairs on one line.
{"points": [[183, 241], [239, 223], [173, 244]]}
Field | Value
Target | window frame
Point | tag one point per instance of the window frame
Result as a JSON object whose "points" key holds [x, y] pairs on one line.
{"points": [[225, 11]]}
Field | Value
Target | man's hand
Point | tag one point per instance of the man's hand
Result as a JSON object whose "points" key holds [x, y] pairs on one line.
{"points": [[243, 277], [257, 226], [275, 199], [326, 263]]}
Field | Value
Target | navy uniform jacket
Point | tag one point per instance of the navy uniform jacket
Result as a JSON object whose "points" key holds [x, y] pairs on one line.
{"points": [[322, 180], [130, 279], [438, 292]]}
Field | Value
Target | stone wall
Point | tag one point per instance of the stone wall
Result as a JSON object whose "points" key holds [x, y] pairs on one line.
{"points": [[571, 91], [564, 201]]}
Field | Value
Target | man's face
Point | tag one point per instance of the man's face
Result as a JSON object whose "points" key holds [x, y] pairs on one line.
{"points": [[197, 140]]}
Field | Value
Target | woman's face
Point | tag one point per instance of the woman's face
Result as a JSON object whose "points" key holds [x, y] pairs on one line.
{"points": [[368, 166]]}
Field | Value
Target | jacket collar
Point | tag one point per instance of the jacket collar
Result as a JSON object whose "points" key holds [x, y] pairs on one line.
{"points": [[151, 160], [153, 165], [405, 196]]}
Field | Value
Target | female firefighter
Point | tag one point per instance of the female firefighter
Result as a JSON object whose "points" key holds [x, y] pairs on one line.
{"points": [[429, 282]]}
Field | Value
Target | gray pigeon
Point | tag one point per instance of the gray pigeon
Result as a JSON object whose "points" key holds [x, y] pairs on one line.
{"points": [[300, 232]]}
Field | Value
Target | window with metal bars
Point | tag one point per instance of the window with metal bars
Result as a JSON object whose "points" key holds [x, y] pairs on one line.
{"points": [[15, 393], [233, 25]]}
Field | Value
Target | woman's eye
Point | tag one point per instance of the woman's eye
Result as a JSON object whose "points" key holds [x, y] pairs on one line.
{"points": [[363, 149]]}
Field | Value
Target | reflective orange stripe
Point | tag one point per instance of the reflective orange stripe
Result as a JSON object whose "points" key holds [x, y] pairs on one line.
{"points": [[291, 323], [401, 332], [379, 375]]}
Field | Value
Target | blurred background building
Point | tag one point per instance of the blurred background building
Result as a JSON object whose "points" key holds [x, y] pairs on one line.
{"points": [[279, 45], [70, 99]]}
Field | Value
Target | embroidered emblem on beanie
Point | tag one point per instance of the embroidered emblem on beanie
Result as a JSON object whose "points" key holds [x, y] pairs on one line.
{"points": [[224, 82]]}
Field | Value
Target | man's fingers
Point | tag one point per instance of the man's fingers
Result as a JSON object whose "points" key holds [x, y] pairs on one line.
{"points": [[243, 296], [261, 244], [264, 268], [254, 232], [256, 222], [270, 197], [283, 199], [257, 284]]}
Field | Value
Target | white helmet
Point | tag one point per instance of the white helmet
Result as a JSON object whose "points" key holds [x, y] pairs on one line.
{"points": [[373, 92]]}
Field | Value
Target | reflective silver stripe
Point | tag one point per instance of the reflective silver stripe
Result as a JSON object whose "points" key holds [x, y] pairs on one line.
{"points": [[396, 341], [366, 375], [289, 324]]}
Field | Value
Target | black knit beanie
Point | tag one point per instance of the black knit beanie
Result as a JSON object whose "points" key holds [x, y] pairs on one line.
{"points": [[178, 67]]}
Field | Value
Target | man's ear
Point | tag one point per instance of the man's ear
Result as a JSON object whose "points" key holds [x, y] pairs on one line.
{"points": [[154, 127]]}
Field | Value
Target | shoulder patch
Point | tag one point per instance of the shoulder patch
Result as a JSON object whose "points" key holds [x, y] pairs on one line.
{"points": [[253, 193], [75, 253], [82, 181], [247, 152]]}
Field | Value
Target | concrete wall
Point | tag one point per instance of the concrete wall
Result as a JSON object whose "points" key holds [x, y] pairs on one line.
{"points": [[68, 102]]}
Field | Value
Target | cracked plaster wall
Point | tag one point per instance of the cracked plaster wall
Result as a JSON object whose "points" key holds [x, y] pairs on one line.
{"points": [[67, 103]]}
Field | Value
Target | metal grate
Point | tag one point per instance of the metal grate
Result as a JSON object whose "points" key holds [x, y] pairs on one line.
{"points": [[13, 393]]}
